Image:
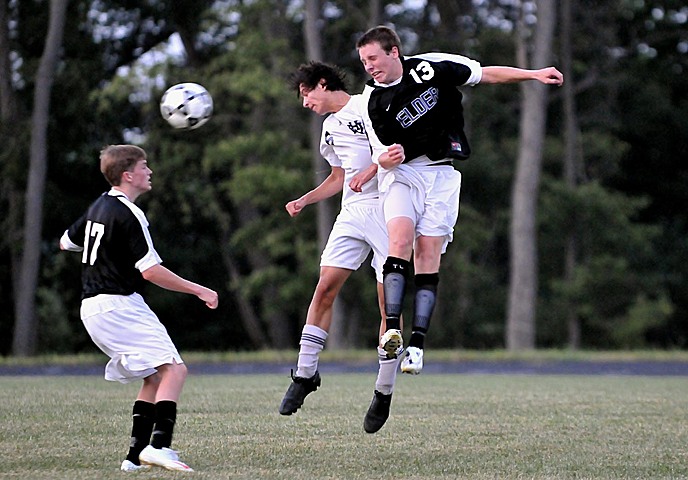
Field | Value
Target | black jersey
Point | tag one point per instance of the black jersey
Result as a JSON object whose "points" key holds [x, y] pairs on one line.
{"points": [[423, 111], [116, 246]]}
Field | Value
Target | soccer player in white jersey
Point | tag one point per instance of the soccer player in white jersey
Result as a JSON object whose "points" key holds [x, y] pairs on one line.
{"points": [[359, 228], [117, 256], [414, 121]]}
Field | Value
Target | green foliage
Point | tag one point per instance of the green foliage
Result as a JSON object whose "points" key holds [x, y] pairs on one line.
{"points": [[217, 209], [615, 262], [644, 315]]}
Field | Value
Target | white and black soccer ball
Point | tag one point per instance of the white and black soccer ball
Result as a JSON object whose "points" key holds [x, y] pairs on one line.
{"points": [[186, 106]]}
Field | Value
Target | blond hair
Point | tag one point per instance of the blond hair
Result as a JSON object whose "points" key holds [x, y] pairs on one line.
{"points": [[117, 159]]}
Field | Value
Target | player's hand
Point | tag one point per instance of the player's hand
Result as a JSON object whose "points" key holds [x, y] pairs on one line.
{"points": [[360, 179], [209, 297], [355, 184], [294, 207], [395, 154], [550, 76], [392, 157]]}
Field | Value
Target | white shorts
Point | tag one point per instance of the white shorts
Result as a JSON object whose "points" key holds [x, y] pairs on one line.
{"points": [[357, 230], [428, 195], [127, 331]]}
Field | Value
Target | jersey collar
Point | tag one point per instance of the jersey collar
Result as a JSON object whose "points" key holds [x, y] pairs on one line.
{"points": [[117, 193]]}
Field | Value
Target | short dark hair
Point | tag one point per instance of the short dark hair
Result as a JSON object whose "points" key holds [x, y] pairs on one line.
{"points": [[310, 74], [117, 159], [385, 36]]}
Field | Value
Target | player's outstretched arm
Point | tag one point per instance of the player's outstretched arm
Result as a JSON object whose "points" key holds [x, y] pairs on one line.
{"points": [[165, 278], [548, 76], [329, 187]]}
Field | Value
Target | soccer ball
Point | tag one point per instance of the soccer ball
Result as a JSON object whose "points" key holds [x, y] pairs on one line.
{"points": [[186, 106]]}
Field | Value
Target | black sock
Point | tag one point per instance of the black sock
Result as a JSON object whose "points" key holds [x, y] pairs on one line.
{"points": [[165, 418], [395, 272], [424, 304], [143, 418]]}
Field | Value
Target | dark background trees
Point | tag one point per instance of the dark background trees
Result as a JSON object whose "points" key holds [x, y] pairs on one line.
{"points": [[610, 220]]}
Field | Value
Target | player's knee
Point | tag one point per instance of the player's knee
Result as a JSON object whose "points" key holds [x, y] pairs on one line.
{"points": [[180, 370], [327, 290], [174, 369], [402, 246], [325, 295]]}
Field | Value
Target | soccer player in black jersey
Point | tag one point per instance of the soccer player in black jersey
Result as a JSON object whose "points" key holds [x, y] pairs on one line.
{"points": [[117, 256], [414, 120]]}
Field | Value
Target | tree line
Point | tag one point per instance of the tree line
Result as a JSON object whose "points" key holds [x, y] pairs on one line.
{"points": [[573, 222]]}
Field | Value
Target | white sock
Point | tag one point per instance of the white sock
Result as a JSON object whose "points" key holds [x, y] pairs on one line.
{"points": [[311, 344], [387, 373]]}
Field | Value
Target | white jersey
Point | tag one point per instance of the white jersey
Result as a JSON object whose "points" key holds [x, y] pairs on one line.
{"points": [[360, 227], [344, 144]]}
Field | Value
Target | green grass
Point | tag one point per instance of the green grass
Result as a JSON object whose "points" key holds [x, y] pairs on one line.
{"points": [[442, 427]]}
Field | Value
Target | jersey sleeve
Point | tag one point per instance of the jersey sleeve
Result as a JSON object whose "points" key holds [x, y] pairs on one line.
{"points": [[476, 70], [140, 241], [143, 245], [377, 147], [72, 239], [327, 145]]}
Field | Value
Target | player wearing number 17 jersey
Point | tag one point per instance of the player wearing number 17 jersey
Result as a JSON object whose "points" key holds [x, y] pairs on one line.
{"points": [[117, 255]]}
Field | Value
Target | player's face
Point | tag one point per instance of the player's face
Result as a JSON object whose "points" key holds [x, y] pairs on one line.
{"points": [[140, 176], [382, 66], [315, 99]]}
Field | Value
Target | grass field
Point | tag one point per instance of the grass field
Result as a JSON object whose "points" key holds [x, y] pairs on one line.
{"points": [[442, 427]]}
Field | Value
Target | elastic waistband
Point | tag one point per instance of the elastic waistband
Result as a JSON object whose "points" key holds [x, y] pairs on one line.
{"points": [[363, 205], [424, 161]]}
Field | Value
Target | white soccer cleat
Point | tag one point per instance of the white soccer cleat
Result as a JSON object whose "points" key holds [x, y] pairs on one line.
{"points": [[413, 361], [392, 343], [163, 457], [128, 466]]}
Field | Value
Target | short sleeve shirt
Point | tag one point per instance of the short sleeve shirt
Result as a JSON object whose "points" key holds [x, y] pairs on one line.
{"points": [[116, 246]]}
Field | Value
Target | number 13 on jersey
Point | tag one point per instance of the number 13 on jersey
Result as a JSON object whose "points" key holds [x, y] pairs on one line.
{"points": [[423, 72]]}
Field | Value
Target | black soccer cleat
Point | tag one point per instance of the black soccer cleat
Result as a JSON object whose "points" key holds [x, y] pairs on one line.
{"points": [[297, 391], [378, 412]]}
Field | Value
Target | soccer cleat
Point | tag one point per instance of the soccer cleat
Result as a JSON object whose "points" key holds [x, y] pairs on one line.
{"points": [[297, 391], [163, 457], [413, 361], [128, 466], [378, 412], [392, 343]]}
